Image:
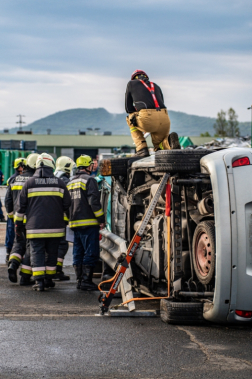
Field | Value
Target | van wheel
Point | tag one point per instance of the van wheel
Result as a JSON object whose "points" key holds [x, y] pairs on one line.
{"points": [[204, 251], [181, 313]]}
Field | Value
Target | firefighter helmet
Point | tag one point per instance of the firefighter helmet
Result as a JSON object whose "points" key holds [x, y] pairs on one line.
{"points": [[19, 162], [46, 160], [31, 160], [138, 72], [84, 161], [65, 164]]}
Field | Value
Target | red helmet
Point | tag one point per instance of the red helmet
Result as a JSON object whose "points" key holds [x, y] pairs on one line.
{"points": [[138, 72]]}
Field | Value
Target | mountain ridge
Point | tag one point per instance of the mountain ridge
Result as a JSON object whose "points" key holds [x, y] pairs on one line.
{"points": [[70, 121]]}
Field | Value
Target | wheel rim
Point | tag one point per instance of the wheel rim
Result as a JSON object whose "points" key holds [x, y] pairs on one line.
{"points": [[203, 254]]}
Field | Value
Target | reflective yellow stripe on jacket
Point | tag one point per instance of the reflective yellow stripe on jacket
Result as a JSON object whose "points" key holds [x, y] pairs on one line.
{"points": [[76, 223], [45, 193], [45, 233], [24, 219], [18, 216], [73, 186], [17, 188], [99, 213], [10, 215]]}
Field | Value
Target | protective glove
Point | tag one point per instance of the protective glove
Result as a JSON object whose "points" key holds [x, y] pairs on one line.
{"points": [[133, 121]]}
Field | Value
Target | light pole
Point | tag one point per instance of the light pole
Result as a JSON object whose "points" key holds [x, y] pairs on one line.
{"points": [[250, 125]]}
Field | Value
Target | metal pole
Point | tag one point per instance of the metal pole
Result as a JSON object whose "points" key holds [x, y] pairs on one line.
{"points": [[250, 125]]}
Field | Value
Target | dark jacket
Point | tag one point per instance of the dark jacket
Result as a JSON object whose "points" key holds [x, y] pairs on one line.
{"points": [[138, 97], [12, 177], [86, 207], [13, 191], [44, 199], [63, 176]]}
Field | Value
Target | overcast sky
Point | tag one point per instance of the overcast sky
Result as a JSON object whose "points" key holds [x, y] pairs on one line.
{"points": [[62, 54]]}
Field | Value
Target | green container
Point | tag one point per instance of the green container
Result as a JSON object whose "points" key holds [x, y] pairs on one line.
{"points": [[7, 158]]}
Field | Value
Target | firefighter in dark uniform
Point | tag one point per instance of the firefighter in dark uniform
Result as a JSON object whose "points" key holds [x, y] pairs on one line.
{"points": [[64, 167], [144, 102], [43, 199], [20, 251], [86, 218], [10, 234]]}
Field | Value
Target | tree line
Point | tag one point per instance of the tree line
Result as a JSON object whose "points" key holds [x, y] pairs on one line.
{"points": [[225, 127]]}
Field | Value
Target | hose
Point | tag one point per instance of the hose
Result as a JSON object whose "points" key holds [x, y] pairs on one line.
{"points": [[105, 281]]}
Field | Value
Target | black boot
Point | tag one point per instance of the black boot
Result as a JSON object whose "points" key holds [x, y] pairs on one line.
{"points": [[108, 273], [78, 273], [60, 274], [48, 282], [142, 153], [174, 141], [86, 281], [39, 286], [12, 271], [26, 281], [7, 257]]}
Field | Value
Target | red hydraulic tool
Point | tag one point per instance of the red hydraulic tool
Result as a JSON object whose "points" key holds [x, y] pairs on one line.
{"points": [[125, 259]]}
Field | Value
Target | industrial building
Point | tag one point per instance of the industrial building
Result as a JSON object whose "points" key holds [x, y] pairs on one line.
{"points": [[75, 145]]}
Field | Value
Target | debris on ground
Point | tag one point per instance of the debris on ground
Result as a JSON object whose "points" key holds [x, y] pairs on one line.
{"points": [[224, 143]]}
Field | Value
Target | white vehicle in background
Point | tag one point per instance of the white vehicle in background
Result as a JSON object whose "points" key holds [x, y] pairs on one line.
{"points": [[210, 265]]}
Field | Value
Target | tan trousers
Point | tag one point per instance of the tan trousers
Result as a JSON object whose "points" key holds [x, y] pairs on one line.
{"points": [[150, 121]]}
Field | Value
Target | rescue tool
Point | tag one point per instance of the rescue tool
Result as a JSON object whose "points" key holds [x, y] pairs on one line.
{"points": [[106, 298]]}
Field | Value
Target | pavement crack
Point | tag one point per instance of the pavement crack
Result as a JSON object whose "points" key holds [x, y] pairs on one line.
{"points": [[198, 343], [222, 361]]}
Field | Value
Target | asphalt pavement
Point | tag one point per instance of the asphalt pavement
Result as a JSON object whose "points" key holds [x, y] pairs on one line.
{"points": [[56, 334]]}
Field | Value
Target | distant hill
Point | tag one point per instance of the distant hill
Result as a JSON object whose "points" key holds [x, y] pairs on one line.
{"points": [[72, 120]]}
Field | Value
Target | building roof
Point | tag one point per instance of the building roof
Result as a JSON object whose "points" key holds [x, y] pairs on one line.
{"points": [[95, 141], [71, 140]]}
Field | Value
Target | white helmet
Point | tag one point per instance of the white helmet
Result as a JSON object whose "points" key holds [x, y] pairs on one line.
{"points": [[31, 160], [45, 160], [65, 164]]}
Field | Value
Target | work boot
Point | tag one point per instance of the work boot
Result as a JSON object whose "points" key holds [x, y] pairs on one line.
{"points": [[60, 274], [86, 281], [12, 271], [142, 153], [26, 281], [49, 283], [78, 273], [173, 140], [39, 286], [7, 257], [108, 273]]}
